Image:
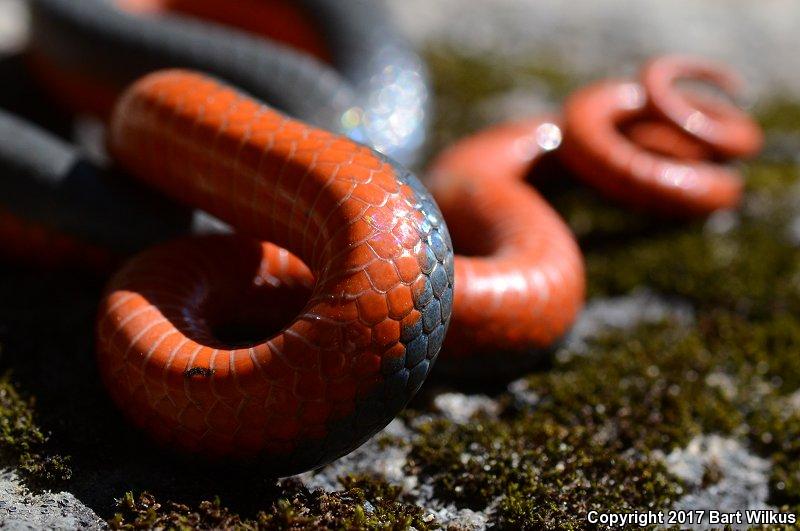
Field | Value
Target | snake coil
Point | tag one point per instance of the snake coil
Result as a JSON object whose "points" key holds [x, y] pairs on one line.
{"points": [[380, 275], [661, 166], [189, 344]]}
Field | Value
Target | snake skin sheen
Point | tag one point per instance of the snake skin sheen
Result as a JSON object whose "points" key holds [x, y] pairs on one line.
{"points": [[375, 91], [599, 154], [657, 147], [521, 284], [377, 250], [726, 129]]}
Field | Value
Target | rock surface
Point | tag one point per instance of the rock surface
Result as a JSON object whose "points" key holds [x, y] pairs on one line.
{"points": [[20, 509], [589, 37], [721, 474]]}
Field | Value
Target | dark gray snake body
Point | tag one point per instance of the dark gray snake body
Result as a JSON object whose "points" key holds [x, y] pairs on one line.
{"points": [[375, 92], [374, 71]]}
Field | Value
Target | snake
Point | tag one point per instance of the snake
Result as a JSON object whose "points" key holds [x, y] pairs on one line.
{"points": [[347, 70], [344, 221], [374, 89], [292, 341], [681, 177], [62, 209], [725, 128], [520, 274]]}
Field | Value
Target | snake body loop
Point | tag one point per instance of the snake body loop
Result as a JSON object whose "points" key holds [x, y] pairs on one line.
{"points": [[379, 259], [86, 52], [725, 128], [375, 91], [601, 155], [521, 280], [655, 147], [666, 139]]}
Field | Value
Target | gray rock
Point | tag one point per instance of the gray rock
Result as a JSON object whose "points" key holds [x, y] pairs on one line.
{"points": [[21, 509], [794, 401], [13, 25], [461, 408], [462, 519], [593, 38], [522, 393], [739, 480], [603, 315], [721, 222]]}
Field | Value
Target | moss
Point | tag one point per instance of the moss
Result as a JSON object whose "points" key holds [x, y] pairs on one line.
{"points": [[756, 352], [775, 433], [461, 82], [590, 439], [644, 389], [388, 508], [744, 284], [751, 268], [770, 181], [540, 473], [780, 114], [24, 444], [144, 512], [364, 503]]}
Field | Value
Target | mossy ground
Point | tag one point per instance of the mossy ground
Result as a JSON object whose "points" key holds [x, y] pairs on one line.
{"points": [[364, 503], [589, 442]]}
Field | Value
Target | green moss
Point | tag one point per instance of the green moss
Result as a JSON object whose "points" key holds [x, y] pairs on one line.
{"points": [[540, 473], [744, 284], [749, 269], [23, 443], [364, 503], [588, 443], [144, 512], [590, 439], [756, 352], [775, 432], [780, 114], [752, 268], [647, 387], [388, 508], [462, 82], [748, 330], [769, 182]]}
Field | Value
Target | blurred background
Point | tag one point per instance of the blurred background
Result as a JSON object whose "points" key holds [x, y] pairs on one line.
{"points": [[585, 36]]}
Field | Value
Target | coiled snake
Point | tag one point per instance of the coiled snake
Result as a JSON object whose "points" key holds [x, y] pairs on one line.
{"points": [[358, 248]]}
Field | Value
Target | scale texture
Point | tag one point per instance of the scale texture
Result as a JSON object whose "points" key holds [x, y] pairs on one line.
{"points": [[376, 247], [521, 281]]}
